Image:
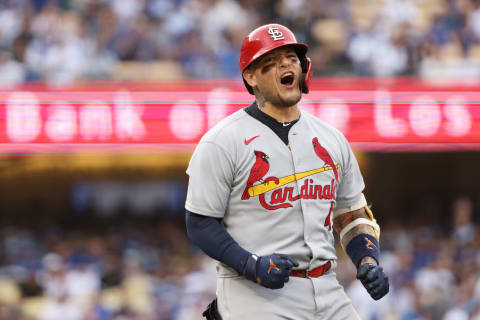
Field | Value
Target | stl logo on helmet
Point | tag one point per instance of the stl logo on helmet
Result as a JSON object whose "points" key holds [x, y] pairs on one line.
{"points": [[275, 34]]}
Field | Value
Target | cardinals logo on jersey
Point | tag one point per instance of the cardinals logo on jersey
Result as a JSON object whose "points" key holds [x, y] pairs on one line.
{"points": [[283, 195], [323, 154]]}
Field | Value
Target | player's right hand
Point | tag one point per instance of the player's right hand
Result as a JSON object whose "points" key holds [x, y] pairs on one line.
{"points": [[271, 271]]}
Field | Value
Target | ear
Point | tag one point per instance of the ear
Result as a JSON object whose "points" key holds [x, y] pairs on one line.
{"points": [[250, 77]]}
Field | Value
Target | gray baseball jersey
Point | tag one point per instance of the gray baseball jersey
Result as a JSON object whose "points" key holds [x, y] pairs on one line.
{"points": [[273, 197]]}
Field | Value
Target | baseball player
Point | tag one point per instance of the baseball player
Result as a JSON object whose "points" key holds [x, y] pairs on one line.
{"points": [[268, 186]]}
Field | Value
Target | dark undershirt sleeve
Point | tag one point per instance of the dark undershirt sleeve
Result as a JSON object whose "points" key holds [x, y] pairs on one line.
{"points": [[211, 236]]}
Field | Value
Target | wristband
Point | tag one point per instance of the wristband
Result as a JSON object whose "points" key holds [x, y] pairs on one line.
{"points": [[250, 270], [361, 246]]}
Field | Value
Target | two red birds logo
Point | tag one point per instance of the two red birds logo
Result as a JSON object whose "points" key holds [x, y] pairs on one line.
{"points": [[261, 165]]}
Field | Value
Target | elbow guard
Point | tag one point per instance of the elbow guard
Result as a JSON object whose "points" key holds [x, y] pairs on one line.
{"points": [[371, 221]]}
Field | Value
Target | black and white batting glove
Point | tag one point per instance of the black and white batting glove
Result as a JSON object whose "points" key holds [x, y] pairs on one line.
{"points": [[270, 271], [374, 280]]}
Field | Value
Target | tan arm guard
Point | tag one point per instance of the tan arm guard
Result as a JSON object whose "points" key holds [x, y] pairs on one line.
{"points": [[371, 221]]}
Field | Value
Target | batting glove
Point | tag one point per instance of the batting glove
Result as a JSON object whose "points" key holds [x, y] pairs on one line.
{"points": [[374, 280], [270, 271]]}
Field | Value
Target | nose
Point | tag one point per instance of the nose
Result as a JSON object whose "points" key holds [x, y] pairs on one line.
{"points": [[284, 61]]}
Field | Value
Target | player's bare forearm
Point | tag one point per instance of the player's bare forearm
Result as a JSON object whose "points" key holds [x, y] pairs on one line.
{"points": [[344, 219]]}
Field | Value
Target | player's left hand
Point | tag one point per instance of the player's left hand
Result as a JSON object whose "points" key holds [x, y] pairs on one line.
{"points": [[374, 280]]}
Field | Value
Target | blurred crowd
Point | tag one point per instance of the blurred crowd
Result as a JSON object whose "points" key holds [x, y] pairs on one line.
{"points": [[119, 271], [144, 271], [62, 41]]}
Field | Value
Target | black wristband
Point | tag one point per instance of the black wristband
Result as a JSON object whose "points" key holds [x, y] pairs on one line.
{"points": [[361, 246], [250, 270]]}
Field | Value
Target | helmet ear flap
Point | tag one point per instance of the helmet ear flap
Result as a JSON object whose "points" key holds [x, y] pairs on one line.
{"points": [[307, 71]]}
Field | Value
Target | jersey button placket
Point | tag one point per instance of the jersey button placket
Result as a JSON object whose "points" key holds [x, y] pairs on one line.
{"points": [[297, 159]]}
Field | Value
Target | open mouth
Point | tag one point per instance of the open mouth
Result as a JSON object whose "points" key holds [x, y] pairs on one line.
{"points": [[287, 80]]}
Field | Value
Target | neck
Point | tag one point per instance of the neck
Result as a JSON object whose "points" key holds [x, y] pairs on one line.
{"points": [[281, 114]]}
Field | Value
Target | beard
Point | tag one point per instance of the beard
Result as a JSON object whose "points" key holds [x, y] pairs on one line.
{"points": [[276, 99], [285, 102]]}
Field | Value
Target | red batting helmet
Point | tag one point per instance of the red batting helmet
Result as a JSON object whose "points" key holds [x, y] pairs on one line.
{"points": [[267, 38]]}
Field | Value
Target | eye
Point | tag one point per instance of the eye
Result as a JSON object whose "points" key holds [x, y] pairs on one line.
{"points": [[267, 67]]}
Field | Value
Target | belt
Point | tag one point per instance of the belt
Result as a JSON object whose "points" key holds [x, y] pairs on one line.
{"points": [[315, 273]]}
